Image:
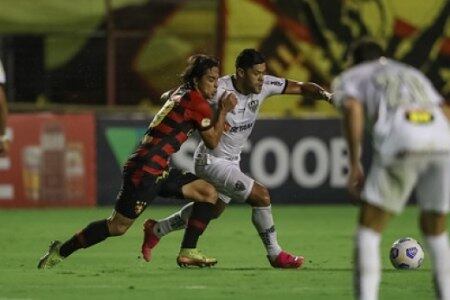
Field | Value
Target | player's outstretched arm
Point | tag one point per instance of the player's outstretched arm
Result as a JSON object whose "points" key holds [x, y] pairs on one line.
{"points": [[211, 137], [310, 89]]}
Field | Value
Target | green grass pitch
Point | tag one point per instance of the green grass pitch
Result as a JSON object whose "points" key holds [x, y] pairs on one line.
{"points": [[112, 270]]}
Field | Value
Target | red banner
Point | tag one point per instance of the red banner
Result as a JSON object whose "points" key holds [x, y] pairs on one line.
{"points": [[51, 162]]}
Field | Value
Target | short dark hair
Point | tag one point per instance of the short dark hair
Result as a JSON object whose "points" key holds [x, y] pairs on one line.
{"points": [[197, 65], [248, 58], [364, 49]]}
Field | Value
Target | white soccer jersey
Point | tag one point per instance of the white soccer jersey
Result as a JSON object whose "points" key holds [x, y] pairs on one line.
{"points": [[2, 74], [401, 106], [241, 120]]}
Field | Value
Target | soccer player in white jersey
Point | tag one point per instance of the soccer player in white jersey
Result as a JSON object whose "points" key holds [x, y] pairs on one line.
{"points": [[411, 142], [4, 140], [220, 166]]}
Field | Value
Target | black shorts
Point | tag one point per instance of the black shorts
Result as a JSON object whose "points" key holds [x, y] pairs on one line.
{"points": [[132, 200]]}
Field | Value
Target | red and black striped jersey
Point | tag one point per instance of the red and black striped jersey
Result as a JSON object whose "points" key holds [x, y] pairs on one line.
{"points": [[184, 111]]}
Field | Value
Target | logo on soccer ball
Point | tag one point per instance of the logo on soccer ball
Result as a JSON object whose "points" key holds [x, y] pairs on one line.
{"points": [[411, 252], [394, 253]]}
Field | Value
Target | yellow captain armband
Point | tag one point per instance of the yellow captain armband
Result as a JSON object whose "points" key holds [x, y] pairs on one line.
{"points": [[419, 116]]}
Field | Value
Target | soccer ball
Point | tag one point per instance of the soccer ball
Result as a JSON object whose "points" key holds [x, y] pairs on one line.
{"points": [[406, 253]]}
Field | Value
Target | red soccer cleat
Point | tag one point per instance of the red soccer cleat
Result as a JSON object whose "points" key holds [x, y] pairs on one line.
{"points": [[286, 260], [150, 240]]}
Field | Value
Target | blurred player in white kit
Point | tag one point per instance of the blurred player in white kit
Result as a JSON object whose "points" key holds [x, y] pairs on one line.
{"points": [[411, 142], [220, 166]]}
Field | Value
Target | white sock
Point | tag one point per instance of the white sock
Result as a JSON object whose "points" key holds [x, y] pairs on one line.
{"points": [[439, 248], [263, 221], [368, 266], [173, 222]]}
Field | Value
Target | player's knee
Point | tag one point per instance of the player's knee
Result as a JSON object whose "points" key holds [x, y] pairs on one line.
{"points": [[265, 198], [260, 198]]}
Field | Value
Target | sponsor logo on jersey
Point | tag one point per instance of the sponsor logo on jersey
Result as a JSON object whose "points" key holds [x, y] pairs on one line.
{"points": [[277, 83], [253, 105], [241, 128]]}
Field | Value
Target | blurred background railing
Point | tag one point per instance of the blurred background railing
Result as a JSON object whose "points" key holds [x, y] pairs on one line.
{"points": [[127, 52]]}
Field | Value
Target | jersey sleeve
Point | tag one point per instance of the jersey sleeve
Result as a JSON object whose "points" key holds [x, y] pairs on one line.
{"points": [[345, 86], [274, 85], [431, 92], [201, 112]]}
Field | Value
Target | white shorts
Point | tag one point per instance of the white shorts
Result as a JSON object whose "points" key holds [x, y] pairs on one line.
{"points": [[390, 186], [226, 176]]}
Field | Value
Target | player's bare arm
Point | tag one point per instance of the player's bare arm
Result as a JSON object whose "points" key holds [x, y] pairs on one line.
{"points": [[446, 109], [211, 137], [353, 116], [307, 89], [4, 141]]}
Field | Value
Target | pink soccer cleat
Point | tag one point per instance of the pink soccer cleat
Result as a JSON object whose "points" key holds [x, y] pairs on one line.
{"points": [[150, 240], [286, 260]]}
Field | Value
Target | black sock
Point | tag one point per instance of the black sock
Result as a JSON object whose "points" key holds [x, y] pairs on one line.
{"points": [[202, 213], [92, 234]]}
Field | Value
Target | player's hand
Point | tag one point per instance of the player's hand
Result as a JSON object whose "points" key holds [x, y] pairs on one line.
{"points": [[327, 96], [228, 101], [355, 182], [315, 91], [4, 147]]}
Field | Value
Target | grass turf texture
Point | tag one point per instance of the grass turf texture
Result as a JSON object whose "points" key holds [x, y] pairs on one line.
{"points": [[112, 270]]}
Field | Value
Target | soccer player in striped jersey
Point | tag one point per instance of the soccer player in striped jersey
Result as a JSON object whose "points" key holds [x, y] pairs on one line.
{"points": [[146, 174]]}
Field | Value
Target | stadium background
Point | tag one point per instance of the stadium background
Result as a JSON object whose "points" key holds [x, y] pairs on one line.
{"points": [[83, 81], [108, 62]]}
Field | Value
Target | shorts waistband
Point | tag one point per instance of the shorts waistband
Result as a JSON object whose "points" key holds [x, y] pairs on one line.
{"points": [[209, 157]]}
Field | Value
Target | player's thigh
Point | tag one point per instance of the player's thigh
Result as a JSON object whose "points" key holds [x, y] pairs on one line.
{"points": [[389, 186], [228, 179], [199, 191], [135, 196], [185, 185], [433, 186]]}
